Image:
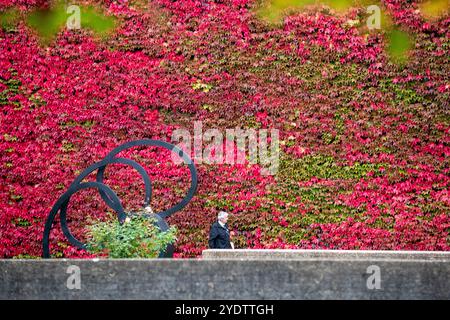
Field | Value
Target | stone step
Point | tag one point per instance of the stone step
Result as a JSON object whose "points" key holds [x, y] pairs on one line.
{"points": [[300, 254]]}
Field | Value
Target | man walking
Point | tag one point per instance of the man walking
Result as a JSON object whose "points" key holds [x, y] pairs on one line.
{"points": [[219, 235]]}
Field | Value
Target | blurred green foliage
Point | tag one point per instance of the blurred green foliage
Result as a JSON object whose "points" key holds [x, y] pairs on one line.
{"points": [[8, 19], [93, 19], [48, 22], [433, 9], [399, 44]]}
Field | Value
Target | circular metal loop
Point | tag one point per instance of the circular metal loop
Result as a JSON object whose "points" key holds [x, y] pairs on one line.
{"points": [[135, 165], [108, 199], [112, 200], [61, 205], [157, 143]]}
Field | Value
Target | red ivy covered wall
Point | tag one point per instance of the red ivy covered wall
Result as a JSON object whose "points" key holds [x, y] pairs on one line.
{"points": [[365, 141]]}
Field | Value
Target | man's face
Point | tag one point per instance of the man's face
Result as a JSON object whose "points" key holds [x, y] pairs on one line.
{"points": [[224, 219]]}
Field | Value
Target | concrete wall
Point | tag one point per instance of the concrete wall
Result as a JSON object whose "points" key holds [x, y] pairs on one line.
{"points": [[309, 278]]}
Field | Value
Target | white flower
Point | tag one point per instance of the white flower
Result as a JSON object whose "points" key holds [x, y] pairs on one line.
{"points": [[148, 209], [127, 219]]}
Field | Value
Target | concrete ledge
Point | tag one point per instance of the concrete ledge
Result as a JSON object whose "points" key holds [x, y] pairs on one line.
{"points": [[299, 254], [226, 279]]}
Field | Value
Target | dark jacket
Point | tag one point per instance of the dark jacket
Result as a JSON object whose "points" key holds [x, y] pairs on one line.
{"points": [[219, 237]]}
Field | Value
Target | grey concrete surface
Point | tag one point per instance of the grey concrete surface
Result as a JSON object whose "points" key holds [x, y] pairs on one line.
{"points": [[227, 279], [300, 254]]}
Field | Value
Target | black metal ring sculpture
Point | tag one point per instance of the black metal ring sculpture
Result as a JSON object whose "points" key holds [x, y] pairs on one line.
{"points": [[112, 200]]}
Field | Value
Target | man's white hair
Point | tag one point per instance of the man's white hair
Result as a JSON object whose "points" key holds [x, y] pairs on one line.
{"points": [[222, 214]]}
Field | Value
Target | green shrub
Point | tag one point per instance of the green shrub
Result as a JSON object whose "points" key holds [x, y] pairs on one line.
{"points": [[137, 237]]}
